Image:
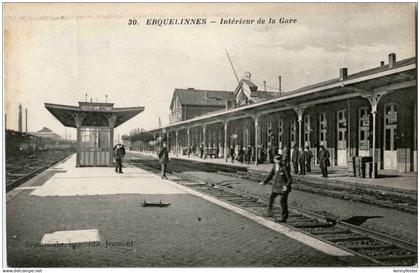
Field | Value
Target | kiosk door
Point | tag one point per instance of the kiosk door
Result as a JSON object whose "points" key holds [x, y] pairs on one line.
{"points": [[95, 146]]}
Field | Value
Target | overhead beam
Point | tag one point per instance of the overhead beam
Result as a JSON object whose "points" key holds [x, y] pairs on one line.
{"points": [[396, 86]]}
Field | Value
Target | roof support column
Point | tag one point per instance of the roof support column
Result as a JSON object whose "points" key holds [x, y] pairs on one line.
{"points": [[112, 118], [204, 138], [257, 135], [226, 140], [374, 99], [78, 118], [188, 142], [299, 111], [176, 142]]}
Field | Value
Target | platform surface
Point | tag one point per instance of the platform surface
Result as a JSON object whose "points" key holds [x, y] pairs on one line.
{"points": [[92, 217]]}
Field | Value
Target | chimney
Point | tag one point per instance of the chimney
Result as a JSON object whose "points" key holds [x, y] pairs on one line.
{"points": [[343, 73], [5, 121], [20, 118], [392, 59], [265, 86], [382, 63], [26, 120], [280, 84]]}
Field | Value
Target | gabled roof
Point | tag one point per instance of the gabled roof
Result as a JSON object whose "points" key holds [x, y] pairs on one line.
{"points": [[255, 95], [193, 96], [45, 130]]}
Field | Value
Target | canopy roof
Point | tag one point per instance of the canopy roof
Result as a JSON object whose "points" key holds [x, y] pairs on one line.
{"points": [[96, 114]]}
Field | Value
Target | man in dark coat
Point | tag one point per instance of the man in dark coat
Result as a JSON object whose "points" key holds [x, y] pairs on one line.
{"points": [[163, 159], [119, 153], [302, 162], [232, 153], [286, 158], [248, 155], [201, 150], [324, 161], [295, 160], [270, 154], [308, 156], [282, 185]]}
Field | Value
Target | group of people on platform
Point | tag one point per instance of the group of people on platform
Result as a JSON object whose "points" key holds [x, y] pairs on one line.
{"points": [[300, 158]]}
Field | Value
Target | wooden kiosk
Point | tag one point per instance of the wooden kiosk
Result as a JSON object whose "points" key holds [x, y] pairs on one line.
{"points": [[95, 123]]}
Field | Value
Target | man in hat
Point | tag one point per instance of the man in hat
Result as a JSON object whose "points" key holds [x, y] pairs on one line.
{"points": [[163, 159], [302, 161], [295, 159], [308, 157], [324, 161], [119, 153], [282, 185]]}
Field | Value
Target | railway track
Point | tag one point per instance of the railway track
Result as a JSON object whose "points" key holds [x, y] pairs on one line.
{"points": [[377, 248], [18, 173], [406, 202], [354, 193]]}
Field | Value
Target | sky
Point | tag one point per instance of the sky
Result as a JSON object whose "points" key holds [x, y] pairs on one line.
{"points": [[57, 53]]}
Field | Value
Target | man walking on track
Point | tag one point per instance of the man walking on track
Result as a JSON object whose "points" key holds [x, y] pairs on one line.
{"points": [[163, 159], [119, 153], [282, 185]]}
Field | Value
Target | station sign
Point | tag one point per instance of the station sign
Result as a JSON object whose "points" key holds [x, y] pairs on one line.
{"points": [[98, 108]]}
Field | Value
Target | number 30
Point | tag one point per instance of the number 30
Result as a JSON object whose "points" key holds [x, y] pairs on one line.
{"points": [[132, 22]]}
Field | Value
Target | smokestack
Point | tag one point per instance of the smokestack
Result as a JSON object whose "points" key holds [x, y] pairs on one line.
{"points": [[265, 86], [20, 118], [280, 84], [343, 73], [5, 121], [391, 60], [382, 63], [26, 120]]}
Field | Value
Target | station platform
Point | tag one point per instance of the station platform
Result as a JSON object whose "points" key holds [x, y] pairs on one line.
{"points": [[386, 180], [93, 217]]}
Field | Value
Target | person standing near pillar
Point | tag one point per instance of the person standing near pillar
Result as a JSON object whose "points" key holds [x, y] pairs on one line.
{"points": [[163, 159], [282, 185], [295, 160], [119, 153], [324, 161], [308, 156], [302, 162], [201, 150]]}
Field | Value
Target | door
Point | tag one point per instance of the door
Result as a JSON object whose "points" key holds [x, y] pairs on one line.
{"points": [[390, 132], [341, 138]]}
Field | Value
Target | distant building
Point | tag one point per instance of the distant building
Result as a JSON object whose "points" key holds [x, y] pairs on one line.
{"points": [[189, 103], [46, 133]]}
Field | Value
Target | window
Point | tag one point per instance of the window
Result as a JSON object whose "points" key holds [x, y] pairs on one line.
{"points": [[364, 128], [341, 130], [323, 129]]}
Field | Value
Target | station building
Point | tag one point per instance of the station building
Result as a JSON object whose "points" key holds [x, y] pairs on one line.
{"points": [[367, 113]]}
